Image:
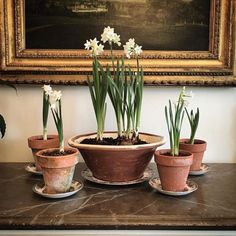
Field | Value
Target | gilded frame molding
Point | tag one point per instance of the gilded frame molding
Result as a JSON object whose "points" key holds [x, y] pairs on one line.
{"points": [[215, 67]]}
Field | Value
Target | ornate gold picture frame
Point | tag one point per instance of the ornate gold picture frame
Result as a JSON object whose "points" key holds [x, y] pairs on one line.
{"points": [[213, 67]]}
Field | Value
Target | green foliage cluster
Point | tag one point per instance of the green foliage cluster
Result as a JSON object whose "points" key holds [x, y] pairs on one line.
{"points": [[193, 121], [125, 89], [174, 119]]}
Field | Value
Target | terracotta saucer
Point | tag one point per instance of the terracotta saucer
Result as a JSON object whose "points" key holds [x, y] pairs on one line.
{"points": [[75, 187], [87, 174], [31, 168], [190, 187], [203, 169]]}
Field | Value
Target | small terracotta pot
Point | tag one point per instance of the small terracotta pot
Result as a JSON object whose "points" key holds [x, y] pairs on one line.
{"points": [[198, 149], [117, 163], [57, 171], [173, 170], [36, 143]]}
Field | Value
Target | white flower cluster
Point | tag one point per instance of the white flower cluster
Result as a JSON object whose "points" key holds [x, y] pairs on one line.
{"points": [[186, 97], [53, 95], [108, 35], [47, 89], [94, 47], [132, 49]]}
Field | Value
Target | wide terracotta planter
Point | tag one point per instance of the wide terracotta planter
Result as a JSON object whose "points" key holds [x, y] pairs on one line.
{"points": [[197, 149], [117, 163], [173, 170], [36, 143], [58, 171]]}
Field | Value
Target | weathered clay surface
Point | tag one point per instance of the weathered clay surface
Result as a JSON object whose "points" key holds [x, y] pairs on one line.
{"points": [[117, 163], [37, 143], [173, 170], [58, 171], [197, 149]]}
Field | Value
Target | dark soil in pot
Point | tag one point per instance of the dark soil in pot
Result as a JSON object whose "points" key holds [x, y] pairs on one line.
{"points": [[55, 153], [113, 141]]}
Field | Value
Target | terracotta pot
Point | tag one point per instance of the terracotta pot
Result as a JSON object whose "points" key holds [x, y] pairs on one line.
{"points": [[198, 149], [117, 163], [173, 170], [36, 143], [57, 171]]}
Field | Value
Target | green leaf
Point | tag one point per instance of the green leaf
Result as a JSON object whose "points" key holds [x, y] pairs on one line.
{"points": [[2, 126], [3, 82]]}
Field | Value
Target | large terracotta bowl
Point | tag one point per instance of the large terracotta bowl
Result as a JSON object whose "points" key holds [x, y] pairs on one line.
{"points": [[117, 163]]}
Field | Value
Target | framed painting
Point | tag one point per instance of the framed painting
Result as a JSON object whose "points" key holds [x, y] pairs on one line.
{"points": [[185, 42]]}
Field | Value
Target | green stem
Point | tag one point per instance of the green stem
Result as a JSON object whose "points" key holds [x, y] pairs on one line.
{"points": [[119, 127], [191, 141], [112, 58], [45, 136], [62, 145]]}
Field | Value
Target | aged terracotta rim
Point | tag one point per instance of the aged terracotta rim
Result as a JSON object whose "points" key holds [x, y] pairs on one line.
{"points": [[40, 137], [37, 142], [198, 147], [199, 142], [39, 153], [163, 152], [73, 143], [167, 160]]}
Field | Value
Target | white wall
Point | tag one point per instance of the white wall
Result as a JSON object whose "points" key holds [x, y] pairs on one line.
{"points": [[23, 116]]}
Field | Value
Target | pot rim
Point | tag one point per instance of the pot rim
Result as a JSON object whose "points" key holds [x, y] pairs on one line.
{"points": [[166, 160], [183, 141], [40, 136], [162, 152], [39, 153], [73, 143]]}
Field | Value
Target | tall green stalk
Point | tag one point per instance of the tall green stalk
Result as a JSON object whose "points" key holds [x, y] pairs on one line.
{"points": [[45, 114], [116, 94], [126, 92], [57, 116], [139, 83], [193, 121], [174, 120], [98, 92]]}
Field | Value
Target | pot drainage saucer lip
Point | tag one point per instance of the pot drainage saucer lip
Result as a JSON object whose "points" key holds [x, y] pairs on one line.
{"points": [[31, 168], [87, 174], [190, 187], [75, 187], [203, 169]]}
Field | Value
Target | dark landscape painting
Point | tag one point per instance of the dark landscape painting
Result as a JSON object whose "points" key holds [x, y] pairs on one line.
{"points": [[155, 24]]}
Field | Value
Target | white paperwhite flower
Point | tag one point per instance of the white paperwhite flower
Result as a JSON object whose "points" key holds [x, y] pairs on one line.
{"points": [[107, 34], [54, 96], [116, 39], [132, 49], [186, 97], [110, 36], [191, 94], [138, 50], [47, 89], [94, 47]]}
